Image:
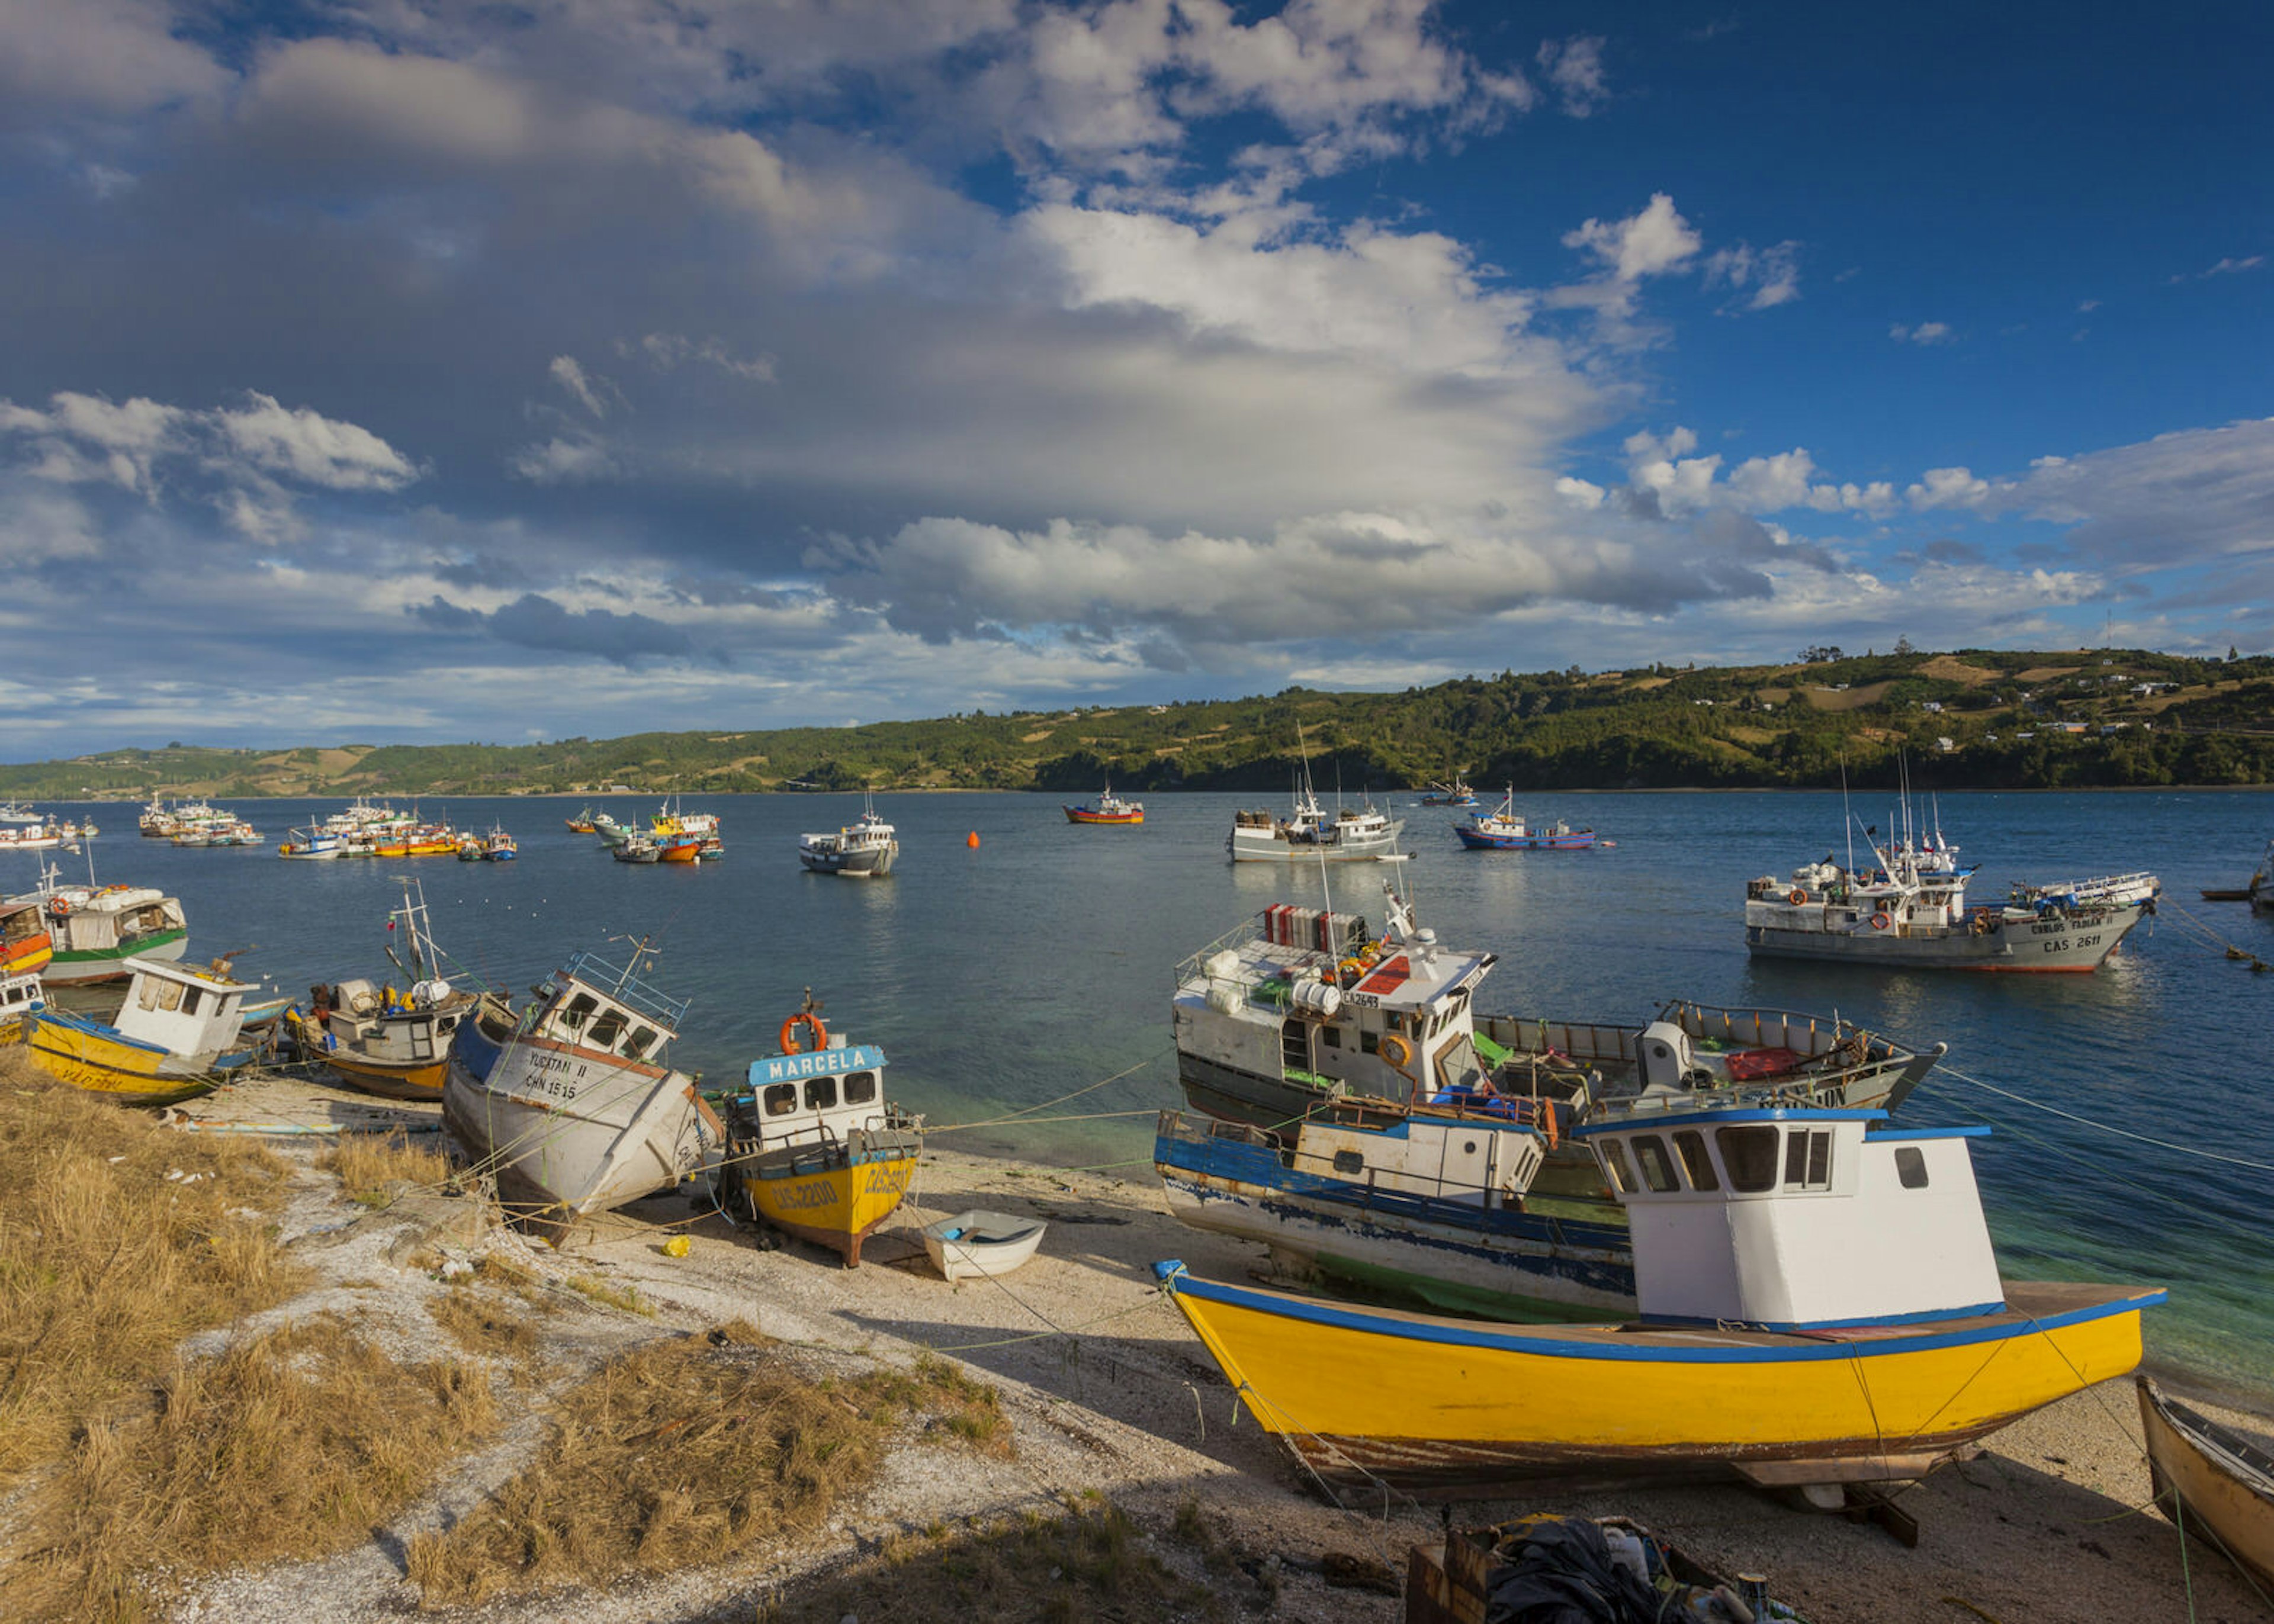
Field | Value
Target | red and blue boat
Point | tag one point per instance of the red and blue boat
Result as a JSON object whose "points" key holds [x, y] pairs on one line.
{"points": [[1501, 830], [1110, 809]]}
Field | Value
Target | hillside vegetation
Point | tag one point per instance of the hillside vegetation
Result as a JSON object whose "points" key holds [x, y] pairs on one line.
{"points": [[1977, 717]]}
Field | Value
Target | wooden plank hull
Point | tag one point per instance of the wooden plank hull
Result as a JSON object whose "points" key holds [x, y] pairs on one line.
{"points": [[1437, 1405], [835, 1198], [2225, 1498], [124, 1072]]}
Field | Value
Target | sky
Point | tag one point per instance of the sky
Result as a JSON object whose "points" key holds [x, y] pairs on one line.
{"points": [[418, 371]]}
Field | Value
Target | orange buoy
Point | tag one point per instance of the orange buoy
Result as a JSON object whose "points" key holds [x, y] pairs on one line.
{"points": [[972, 839]]}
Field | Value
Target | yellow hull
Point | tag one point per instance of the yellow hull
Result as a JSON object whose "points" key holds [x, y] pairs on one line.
{"points": [[1440, 1403], [836, 1207], [124, 1072], [2215, 1500], [423, 1082]]}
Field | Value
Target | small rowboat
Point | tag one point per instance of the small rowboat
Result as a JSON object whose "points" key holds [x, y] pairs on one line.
{"points": [[2222, 1481], [974, 1244]]}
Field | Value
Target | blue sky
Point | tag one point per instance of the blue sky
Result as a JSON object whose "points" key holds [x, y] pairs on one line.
{"points": [[397, 369]]}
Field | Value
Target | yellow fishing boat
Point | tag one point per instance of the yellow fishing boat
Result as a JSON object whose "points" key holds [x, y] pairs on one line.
{"points": [[812, 1148], [19, 996], [1820, 1305], [170, 1041]]}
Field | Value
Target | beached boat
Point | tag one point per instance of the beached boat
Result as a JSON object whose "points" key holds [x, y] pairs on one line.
{"points": [[864, 849], [1110, 809], [813, 1148], [25, 945], [1820, 1305], [977, 1244], [2216, 1483], [499, 847], [96, 929], [172, 1040], [576, 1110], [19, 996], [382, 1041], [1501, 830]]}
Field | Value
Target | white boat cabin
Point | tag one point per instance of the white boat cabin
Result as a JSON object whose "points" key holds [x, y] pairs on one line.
{"points": [[1788, 1220], [817, 1097], [603, 1011], [1474, 1161], [19, 996], [183, 1009], [1305, 994]]}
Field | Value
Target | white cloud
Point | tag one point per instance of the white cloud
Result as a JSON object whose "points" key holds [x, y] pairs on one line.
{"points": [[571, 460], [312, 449], [1584, 494], [1574, 67], [2228, 267], [1773, 273], [1950, 487], [108, 58], [1649, 243], [1924, 333], [667, 351], [566, 372]]}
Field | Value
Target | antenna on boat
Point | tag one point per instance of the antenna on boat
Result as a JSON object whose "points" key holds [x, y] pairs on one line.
{"points": [[1846, 813]]}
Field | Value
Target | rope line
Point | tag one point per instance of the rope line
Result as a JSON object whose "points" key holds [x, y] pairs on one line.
{"points": [[2092, 1122]]}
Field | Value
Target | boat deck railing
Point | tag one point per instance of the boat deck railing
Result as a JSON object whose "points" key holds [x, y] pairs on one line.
{"points": [[2101, 887], [621, 984]]}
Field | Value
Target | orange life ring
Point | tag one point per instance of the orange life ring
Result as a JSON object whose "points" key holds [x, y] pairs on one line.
{"points": [[60, 907], [1880, 921], [1798, 897], [789, 1032], [1402, 1057]]}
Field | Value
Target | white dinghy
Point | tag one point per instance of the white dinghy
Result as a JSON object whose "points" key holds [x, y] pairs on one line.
{"points": [[975, 1244]]}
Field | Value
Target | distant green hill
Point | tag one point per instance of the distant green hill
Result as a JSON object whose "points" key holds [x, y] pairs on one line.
{"points": [[1975, 718]]}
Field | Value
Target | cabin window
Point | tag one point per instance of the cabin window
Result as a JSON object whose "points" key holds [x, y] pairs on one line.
{"points": [[1910, 1166], [190, 1000], [1368, 1043], [820, 1092], [150, 986], [638, 1044], [1333, 1036], [448, 1024], [1751, 1156], [781, 1099], [1690, 1145], [861, 1088], [579, 1010], [1615, 1163], [1657, 1166], [607, 1030], [1807, 1159], [1349, 1161], [170, 995]]}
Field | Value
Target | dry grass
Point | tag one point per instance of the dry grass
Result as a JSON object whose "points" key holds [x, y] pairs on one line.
{"points": [[1086, 1564], [593, 1289], [482, 1325], [681, 1451], [293, 1444], [368, 1164], [106, 1263]]}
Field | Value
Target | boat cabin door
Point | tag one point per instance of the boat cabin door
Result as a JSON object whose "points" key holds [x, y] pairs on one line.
{"points": [[1295, 1045]]}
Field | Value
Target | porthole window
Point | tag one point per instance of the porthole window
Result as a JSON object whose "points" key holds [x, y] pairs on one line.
{"points": [[1910, 1166], [1349, 1161]]}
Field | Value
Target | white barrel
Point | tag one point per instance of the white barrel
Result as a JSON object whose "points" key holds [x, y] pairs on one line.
{"points": [[1318, 997]]}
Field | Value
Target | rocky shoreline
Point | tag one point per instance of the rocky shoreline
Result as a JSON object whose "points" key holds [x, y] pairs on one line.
{"points": [[1110, 1399]]}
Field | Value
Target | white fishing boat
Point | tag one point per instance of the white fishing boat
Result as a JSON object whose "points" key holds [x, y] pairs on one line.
{"points": [[174, 1037], [16, 812], [314, 843], [96, 929], [19, 996], [579, 1111], [978, 1243], [864, 849], [390, 1043]]}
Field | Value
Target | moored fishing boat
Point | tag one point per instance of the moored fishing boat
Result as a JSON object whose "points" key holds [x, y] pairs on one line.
{"points": [[611, 832], [15, 812], [96, 929], [863, 849], [1820, 1305], [1457, 793], [172, 1040], [1110, 809], [314, 843], [635, 848], [1501, 830], [36, 837], [470, 847], [1308, 834], [813, 1148], [578, 1111], [2214, 1482], [384, 1041], [499, 847], [582, 824]]}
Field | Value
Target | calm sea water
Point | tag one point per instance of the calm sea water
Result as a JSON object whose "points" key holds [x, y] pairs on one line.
{"points": [[1007, 976]]}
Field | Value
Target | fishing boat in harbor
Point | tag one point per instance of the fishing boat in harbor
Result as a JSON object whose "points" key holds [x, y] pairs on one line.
{"points": [[1110, 809], [314, 843], [864, 849], [16, 814], [384, 1040], [34, 837], [1374, 1130], [2216, 1483], [682, 837], [470, 847], [582, 824], [812, 1147], [1457, 793], [2259, 893], [1501, 830], [578, 1110], [175, 1037], [499, 847], [1818, 1305], [635, 848], [1308, 834], [95, 931], [611, 832]]}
